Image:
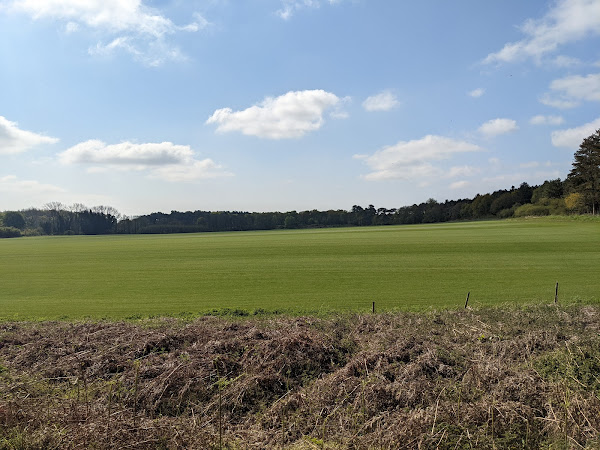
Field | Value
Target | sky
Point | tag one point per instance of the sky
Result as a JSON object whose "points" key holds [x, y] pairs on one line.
{"points": [[281, 105]]}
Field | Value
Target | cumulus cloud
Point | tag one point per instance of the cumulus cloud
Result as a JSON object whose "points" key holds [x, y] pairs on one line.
{"points": [[566, 22], [126, 153], [573, 137], [14, 140], [546, 120], [291, 7], [384, 101], [291, 115], [12, 185], [135, 28], [412, 160], [570, 91], [496, 127], [163, 160], [476, 93]]}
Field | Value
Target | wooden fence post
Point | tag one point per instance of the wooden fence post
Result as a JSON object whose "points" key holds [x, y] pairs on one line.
{"points": [[373, 307], [467, 301], [556, 294]]}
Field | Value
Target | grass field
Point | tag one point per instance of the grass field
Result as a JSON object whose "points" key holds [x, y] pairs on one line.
{"points": [[407, 267]]}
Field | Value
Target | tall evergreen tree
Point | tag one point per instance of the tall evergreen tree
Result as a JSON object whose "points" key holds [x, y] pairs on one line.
{"points": [[585, 173]]}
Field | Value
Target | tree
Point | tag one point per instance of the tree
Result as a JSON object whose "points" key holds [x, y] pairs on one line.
{"points": [[549, 189], [13, 219], [585, 173], [574, 202]]}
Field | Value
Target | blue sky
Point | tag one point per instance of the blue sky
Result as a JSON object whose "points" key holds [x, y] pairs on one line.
{"points": [[263, 105]]}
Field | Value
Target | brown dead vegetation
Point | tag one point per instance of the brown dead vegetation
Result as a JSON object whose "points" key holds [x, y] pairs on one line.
{"points": [[490, 378]]}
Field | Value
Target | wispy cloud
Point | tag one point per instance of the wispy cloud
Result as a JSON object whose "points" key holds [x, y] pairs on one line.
{"points": [[163, 160], [129, 25], [290, 115], [194, 170], [413, 160], [573, 137], [546, 120], [11, 184], [571, 91], [14, 140], [566, 61], [566, 22], [560, 103], [384, 101], [496, 127], [476, 93], [459, 184], [291, 7], [462, 171]]}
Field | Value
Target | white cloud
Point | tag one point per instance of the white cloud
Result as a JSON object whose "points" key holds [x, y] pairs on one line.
{"points": [[291, 7], [546, 120], [126, 153], [496, 127], [163, 160], [12, 185], [565, 61], [338, 111], [384, 101], [560, 103], [135, 28], [339, 114], [291, 115], [71, 27], [459, 184], [462, 171], [476, 93], [197, 170], [573, 90], [14, 140], [567, 21], [412, 159], [573, 137]]}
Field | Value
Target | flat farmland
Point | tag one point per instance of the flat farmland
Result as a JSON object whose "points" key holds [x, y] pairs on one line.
{"points": [[300, 271]]}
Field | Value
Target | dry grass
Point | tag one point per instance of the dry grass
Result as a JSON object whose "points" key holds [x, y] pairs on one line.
{"points": [[490, 378]]}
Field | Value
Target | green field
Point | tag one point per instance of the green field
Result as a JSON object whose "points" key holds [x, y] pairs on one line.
{"points": [[408, 267]]}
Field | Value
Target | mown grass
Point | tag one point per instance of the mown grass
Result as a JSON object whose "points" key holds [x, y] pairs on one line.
{"points": [[404, 267]]}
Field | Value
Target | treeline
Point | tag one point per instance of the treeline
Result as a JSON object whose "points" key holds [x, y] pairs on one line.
{"points": [[579, 193], [525, 200], [552, 197], [58, 219]]}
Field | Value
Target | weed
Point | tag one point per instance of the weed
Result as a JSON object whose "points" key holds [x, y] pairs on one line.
{"points": [[341, 381]]}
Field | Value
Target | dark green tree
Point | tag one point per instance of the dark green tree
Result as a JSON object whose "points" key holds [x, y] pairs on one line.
{"points": [[585, 174], [14, 219]]}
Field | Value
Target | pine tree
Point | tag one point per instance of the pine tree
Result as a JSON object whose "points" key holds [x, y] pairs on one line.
{"points": [[585, 173]]}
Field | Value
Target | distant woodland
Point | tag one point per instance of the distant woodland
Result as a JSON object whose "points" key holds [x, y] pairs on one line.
{"points": [[579, 193]]}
